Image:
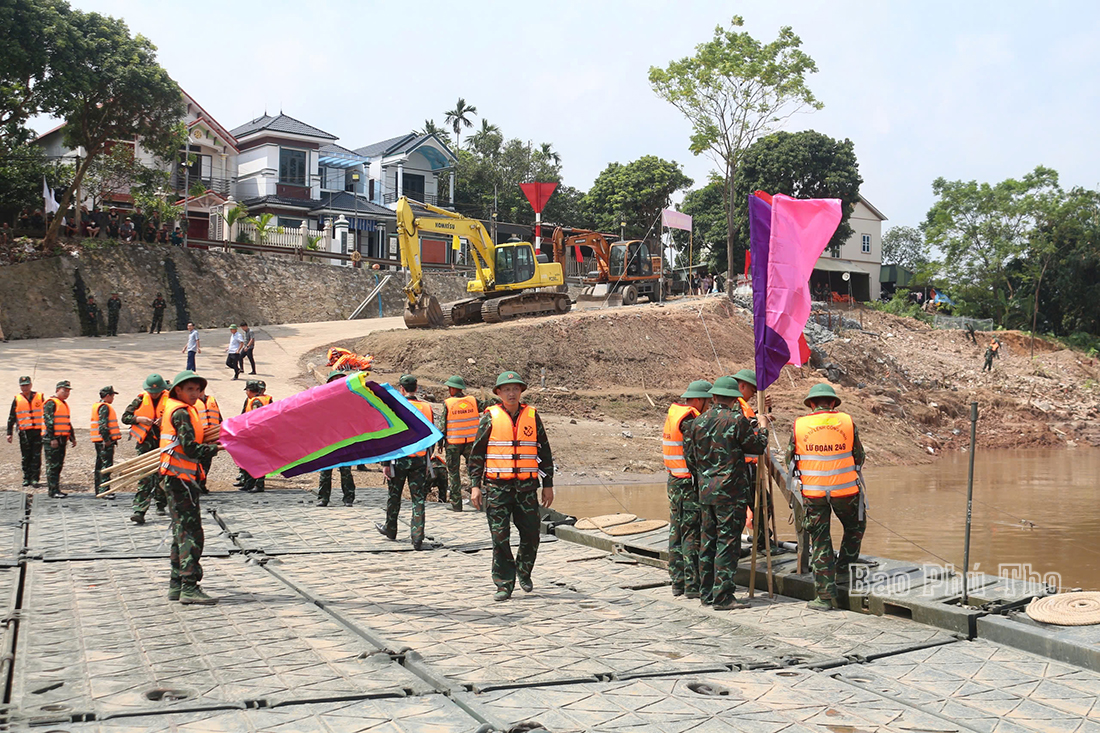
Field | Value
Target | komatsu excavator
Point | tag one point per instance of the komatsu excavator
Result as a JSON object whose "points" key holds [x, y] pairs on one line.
{"points": [[508, 278]]}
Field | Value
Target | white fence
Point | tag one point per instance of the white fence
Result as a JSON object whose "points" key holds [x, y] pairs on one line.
{"points": [[291, 238]]}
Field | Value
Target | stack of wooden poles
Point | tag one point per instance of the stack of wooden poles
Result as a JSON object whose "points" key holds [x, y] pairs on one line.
{"points": [[129, 473]]}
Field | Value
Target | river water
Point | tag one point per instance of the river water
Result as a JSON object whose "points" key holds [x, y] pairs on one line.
{"points": [[1035, 512]]}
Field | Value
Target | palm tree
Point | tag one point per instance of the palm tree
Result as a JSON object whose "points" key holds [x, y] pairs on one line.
{"points": [[430, 128], [459, 117], [479, 141], [548, 152], [264, 229]]}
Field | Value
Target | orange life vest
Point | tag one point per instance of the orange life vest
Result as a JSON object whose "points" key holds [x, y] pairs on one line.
{"points": [[174, 462], [823, 444], [673, 439], [265, 399], [211, 413], [28, 413], [749, 413], [513, 450], [150, 410], [112, 423], [462, 419], [426, 411], [62, 425]]}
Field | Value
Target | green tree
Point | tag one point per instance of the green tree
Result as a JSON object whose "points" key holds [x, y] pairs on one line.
{"points": [[566, 207], [983, 229], [430, 128], [634, 193], [707, 208], [487, 139], [905, 246], [264, 228], [111, 88], [493, 169], [459, 117], [733, 91], [21, 174]]}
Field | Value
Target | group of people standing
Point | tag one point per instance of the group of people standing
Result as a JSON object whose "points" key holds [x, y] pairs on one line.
{"points": [[242, 344], [114, 309], [712, 440]]}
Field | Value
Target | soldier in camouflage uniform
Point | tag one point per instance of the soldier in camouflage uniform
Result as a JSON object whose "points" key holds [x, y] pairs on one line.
{"points": [[829, 484], [114, 307], [683, 495], [26, 415], [510, 458], [57, 434], [150, 489], [458, 442], [413, 469], [324, 484], [256, 398], [93, 316], [715, 450], [181, 467], [105, 436]]}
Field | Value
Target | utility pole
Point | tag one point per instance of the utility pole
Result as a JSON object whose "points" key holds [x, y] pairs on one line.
{"points": [[186, 190]]}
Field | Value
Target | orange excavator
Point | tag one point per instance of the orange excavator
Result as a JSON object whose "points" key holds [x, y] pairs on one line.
{"points": [[625, 270]]}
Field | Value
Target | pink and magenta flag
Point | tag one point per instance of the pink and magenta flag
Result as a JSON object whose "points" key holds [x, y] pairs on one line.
{"points": [[675, 219], [786, 237]]}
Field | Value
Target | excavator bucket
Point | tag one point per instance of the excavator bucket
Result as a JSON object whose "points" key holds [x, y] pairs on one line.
{"points": [[425, 314], [597, 296]]}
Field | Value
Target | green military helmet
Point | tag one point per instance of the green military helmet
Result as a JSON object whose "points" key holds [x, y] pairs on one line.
{"points": [[408, 381], [188, 376], [748, 376], [251, 386], [455, 381], [154, 384], [821, 390], [697, 390], [335, 374], [509, 378], [725, 387]]}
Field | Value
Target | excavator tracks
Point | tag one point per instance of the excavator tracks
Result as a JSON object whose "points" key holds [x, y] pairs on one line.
{"points": [[461, 312], [508, 307]]}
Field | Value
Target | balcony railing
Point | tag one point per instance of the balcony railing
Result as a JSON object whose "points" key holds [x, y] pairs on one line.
{"points": [[220, 186], [426, 198]]}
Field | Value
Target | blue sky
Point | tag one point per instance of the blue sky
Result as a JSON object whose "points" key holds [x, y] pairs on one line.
{"points": [[964, 90]]}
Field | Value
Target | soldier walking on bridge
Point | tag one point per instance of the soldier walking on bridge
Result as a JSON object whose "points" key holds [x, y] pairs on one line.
{"points": [[413, 469], [57, 433], [683, 494], [105, 434], [347, 483], [143, 416], [826, 455], [26, 414], [458, 422]]}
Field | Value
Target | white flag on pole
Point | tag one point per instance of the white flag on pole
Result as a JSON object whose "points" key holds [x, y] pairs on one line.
{"points": [[49, 203]]}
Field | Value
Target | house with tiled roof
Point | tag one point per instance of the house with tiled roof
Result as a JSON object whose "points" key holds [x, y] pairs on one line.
{"points": [[421, 167]]}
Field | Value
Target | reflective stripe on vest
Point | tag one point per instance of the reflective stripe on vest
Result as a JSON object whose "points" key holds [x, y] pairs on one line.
{"points": [[62, 425], [150, 410], [264, 399], [426, 411], [513, 450], [750, 413], [823, 445], [211, 414], [112, 423], [175, 462], [462, 419], [28, 413], [673, 439]]}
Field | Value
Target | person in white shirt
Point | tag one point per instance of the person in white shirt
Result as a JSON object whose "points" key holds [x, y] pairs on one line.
{"points": [[192, 347], [235, 351]]}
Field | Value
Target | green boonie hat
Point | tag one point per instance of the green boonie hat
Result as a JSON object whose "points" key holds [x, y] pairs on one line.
{"points": [[407, 381], [509, 378], [820, 390], [232, 326], [252, 385], [106, 391], [725, 387], [63, 384], [261, 384], [748, 376], [456, 381], [335, 374], [24, 380], [186, 376], [154, 383], [697, 390]]}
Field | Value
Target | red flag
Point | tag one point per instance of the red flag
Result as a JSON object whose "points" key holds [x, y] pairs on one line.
{"points": [[577, 249], [538, 194], [748, 261]]}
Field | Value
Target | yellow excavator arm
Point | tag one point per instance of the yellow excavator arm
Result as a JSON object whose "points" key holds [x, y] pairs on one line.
{"points": [[409, 228]]}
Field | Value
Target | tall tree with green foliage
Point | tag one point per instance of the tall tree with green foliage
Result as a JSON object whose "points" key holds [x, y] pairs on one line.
{"points": [[111, 87], [905, 246], [733, 91], [634, 193], [492, 169], [799, 164], [430, 128], [21, 174], [459, 117], [707, 208], [983, 229]]}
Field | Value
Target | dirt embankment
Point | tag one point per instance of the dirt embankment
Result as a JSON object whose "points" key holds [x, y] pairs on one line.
{"points": [[603, 380]]}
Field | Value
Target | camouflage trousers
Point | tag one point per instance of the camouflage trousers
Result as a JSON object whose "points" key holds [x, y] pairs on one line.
{"points": [[55, 460], [151, 487], [112, 324], [455, 453], [719, 550], [347, 484], [187, 535], [30, 447], [250, 482], [817, 524], [415, 471], [683, 534], [205, 463], [158, 321], [104, 459], [988, 366], [505, 505]]}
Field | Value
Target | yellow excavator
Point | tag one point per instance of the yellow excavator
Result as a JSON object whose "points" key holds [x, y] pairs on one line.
{"points": [[508, 278]]}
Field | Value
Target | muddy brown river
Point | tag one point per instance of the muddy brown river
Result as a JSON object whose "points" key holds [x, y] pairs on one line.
{"points": [[1035, 512]]}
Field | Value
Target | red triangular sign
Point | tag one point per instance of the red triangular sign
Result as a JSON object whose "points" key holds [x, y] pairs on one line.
{"points": [[538, 194]]}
